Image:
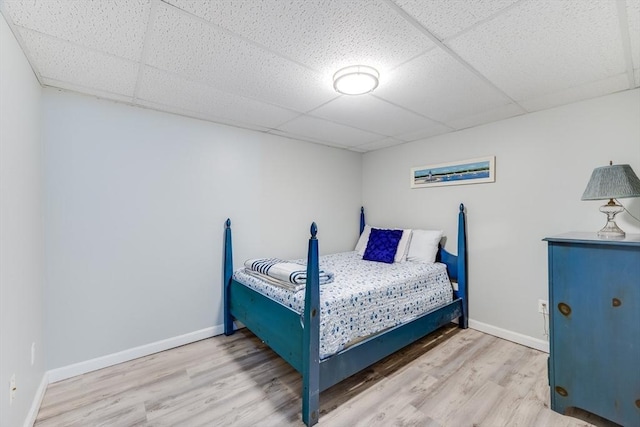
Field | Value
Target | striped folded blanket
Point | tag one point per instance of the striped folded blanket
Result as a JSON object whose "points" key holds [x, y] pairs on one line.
{"points": [[290, 274]]}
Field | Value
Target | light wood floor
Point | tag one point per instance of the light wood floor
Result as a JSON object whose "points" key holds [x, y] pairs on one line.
{"points": [[452, 377]]}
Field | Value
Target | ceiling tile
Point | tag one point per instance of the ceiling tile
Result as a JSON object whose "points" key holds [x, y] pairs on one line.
{"points": [[163, 88], [305, 138], [439, 87], [428, 132], [513, 50], [376, 145], [500, 113], [323, 130], [324, 35], [445, 18], [312, 140], [67, 62], [116, 27], [381, 117], [194, 114], [57, 84], [574, 94], [199, 51]]}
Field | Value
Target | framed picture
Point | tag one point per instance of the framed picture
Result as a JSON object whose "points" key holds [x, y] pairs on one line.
{"points": [[472, 171]]}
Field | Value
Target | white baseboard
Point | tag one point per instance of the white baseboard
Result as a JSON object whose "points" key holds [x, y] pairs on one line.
{"points": [[80, 368], [37, 401], [516, 337]]}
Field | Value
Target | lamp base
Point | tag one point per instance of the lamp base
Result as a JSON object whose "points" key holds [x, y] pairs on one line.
{"points": [[611, 229]]}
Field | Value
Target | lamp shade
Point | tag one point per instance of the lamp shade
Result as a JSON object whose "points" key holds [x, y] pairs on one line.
{"points": [[612, 182]]}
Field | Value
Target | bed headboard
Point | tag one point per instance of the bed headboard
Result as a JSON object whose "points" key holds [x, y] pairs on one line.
{"points": [[456, 264]]}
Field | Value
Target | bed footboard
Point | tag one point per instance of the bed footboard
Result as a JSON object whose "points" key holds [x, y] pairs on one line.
{"points": [[278, 326], [311, 335]]}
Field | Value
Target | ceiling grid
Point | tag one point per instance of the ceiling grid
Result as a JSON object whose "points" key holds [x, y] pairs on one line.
{"points": [[268, 65]]}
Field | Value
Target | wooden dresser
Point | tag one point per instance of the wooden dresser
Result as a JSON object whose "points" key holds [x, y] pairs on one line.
{"points": [[594, 318]]}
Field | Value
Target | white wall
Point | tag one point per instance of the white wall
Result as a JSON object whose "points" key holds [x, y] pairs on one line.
{"points": [[135, 206], [21, 263], [543, 163]]}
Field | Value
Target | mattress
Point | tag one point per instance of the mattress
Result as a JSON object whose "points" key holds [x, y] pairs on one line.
{"points": [[365, 297]]}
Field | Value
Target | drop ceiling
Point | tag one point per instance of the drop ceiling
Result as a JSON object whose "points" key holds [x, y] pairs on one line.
{"points": [[267, 65]]}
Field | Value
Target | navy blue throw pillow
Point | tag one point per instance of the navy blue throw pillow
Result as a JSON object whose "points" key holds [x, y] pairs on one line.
{"points": [[382, 245]]}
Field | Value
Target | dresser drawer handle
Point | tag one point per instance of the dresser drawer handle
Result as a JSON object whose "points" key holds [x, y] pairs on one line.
{"points": [[616, 302], [564, 309], [561, 391]]}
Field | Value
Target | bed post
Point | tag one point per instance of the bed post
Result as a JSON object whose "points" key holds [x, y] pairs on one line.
{"points": [[463, 291], [228, 271], [361, 219], [311, 336]]}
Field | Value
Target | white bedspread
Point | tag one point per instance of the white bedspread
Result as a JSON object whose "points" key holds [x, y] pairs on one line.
{"points": [[365, 297]]}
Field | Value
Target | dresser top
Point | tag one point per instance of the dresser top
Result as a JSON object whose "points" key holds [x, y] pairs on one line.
{"points": [[592, 238]]}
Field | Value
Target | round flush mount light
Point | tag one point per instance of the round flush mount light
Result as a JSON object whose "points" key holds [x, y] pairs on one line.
{"points": [[356, 80]]}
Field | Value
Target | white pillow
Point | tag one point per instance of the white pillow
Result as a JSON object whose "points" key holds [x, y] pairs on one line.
{"points": [[403, 244], [361, 246], [424, 245]]}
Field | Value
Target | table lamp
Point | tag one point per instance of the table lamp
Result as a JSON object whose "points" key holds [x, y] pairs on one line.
{"points": [[612, 182]]}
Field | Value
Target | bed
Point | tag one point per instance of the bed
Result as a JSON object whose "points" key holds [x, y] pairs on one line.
{"points": [[276, 318]]}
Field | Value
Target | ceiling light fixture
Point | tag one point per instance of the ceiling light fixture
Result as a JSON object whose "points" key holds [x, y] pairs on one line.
{"points": [[356, 80]]}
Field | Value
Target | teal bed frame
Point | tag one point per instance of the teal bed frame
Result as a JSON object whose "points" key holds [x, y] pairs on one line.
{"points": [[296, 338]]}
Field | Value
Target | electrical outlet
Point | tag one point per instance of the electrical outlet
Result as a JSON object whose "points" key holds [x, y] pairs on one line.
{"points": [[543, 306], [12, 389], [33, 353]]}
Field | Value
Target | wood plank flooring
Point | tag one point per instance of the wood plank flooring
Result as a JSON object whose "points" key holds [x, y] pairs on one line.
{"points": [[452, 377]]}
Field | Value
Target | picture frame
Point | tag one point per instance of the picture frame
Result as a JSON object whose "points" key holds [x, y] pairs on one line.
{"points": [[470, 171]]}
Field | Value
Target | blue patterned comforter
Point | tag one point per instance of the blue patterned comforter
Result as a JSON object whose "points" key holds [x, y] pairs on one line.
{"points": [[365, 297]]}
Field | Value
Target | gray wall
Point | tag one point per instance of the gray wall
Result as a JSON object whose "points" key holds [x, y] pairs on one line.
{"points": [[135, 205], [543, 163], [21, 235]]}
